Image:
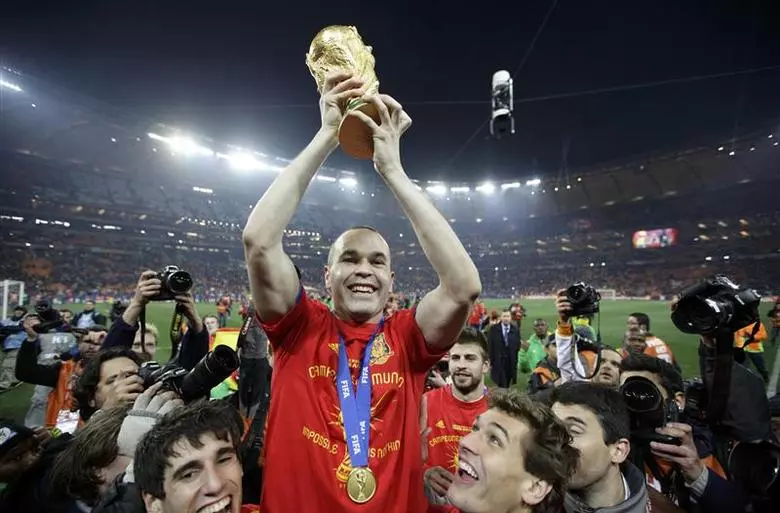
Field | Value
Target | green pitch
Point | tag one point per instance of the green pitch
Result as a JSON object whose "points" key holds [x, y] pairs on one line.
{"points": [[613, 323]]}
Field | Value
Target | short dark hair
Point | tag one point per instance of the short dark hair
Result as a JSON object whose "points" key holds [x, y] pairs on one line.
{"points": [[549, 454], [332, 255], [86, 385], [605, 403], [671, 378], [75, 472], [474, 336], [607, 347], [641, 318], [190, 423]]}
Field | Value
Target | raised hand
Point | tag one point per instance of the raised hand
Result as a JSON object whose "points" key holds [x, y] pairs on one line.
{"points": [[387, 136], [339, 89], [148, 287]]}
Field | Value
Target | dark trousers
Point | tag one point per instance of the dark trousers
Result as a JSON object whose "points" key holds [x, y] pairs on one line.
{"points": [[759, 363]]}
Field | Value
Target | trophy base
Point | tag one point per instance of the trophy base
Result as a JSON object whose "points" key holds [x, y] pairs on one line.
{"points": [[355, 137]]}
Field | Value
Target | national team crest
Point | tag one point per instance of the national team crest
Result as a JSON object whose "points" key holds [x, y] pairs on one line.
{"points": [[380, 351]]}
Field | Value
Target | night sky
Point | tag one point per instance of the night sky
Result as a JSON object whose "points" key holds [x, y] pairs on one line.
{"points": [[235, 71]]}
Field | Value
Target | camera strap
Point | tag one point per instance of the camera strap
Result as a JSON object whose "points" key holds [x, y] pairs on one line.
{"points": [[721, 379]]}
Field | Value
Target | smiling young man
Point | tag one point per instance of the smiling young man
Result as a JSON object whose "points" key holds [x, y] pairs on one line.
{"points": [[319, 354], [518, 458], [448, 413], [188, 462]]}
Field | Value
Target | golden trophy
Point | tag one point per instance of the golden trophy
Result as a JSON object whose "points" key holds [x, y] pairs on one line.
{"points": [[340, 49]]}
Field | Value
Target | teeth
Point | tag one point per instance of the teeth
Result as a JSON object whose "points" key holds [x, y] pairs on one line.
{"points": [[216, 506], [467, 469], [362, 289]]}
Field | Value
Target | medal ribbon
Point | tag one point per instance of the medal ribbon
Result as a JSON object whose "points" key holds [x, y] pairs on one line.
{"points": [[356, 404]]}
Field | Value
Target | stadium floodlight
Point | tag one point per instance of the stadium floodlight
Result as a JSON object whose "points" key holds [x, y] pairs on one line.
{"points": [[325, 178], [10, 85], [510, 185], [487, 188], [187, 146], [243, 161], [348, 181], [501, 120], [438, 189], [460, 189], [534, 182]]}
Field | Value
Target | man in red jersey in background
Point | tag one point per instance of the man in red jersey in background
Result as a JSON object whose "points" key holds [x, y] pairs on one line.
{"points": [[447, 414], [319, 354]]}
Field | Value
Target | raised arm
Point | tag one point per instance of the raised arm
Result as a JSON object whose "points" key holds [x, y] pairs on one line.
{"points": [[272, 275], [442, 312]]}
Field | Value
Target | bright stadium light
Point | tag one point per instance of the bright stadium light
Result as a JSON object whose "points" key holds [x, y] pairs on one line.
{"points": [[439, 190], [11, 86], [188, 147], [486, 188], [243, 161], [348, 182], [510, 185], [460, 189], [535, 182]]}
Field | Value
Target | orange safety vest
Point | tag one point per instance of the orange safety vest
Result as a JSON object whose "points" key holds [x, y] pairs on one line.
{"points": [[59, 410], [755, 346]]}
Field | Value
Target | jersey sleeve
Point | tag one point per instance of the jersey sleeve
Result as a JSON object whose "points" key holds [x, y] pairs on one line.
{"points": [[288, 332], [410, 338]]}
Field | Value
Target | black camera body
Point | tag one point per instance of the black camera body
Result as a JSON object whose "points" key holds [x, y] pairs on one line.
{"points": [[648, 411], [174, 282], [584, 300], [714, 304], [212, 370]]}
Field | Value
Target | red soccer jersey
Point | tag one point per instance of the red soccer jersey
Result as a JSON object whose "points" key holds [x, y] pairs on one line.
{"points": [[306, 461], [449, 419]]}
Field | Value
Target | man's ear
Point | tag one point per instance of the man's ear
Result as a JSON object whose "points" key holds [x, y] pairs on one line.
{"points": [[327, 280], [618, 452], [534, 491], [153, 504], [392, 280]]}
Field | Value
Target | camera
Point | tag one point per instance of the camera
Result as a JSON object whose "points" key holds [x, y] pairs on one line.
{"points": [[502, 99], [584, 300], [174, 282], [648, 410], [212, 370], [714, 304]]}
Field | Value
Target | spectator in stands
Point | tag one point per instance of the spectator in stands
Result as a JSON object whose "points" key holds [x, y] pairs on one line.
{"points": [[89, 317], [655, 346], [703, 477], [10, 348], [477, 315]]}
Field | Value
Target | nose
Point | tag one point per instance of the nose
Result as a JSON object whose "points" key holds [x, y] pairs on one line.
{"points": [[364, 268], [212, 481], [468, 444]]}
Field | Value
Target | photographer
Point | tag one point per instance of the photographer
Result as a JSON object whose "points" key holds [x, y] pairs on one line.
{"points": [[12, 337], [676, 451], [124, 332], [59, 375]]}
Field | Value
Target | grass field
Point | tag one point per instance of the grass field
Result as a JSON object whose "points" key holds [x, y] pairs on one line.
{"points": [[613, 323]]}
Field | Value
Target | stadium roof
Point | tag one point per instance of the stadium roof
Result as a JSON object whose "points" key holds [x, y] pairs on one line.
{"points": [[44, 121]]}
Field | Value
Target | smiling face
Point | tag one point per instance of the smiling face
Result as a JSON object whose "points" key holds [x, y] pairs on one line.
{"points": [[204, 479], [358, 275], [491, 474]]}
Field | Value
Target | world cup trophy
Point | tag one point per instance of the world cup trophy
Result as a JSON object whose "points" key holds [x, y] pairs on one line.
{"points": [[340, 49]]}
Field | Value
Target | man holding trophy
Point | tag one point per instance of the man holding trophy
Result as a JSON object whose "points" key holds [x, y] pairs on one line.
{"points": [[343, 433]]}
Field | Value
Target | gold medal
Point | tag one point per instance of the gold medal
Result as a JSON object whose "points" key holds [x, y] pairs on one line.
{"points": [[361, 485]]}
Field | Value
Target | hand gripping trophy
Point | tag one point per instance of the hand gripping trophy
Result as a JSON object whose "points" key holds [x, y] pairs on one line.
{"points": [[339, 48]]}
